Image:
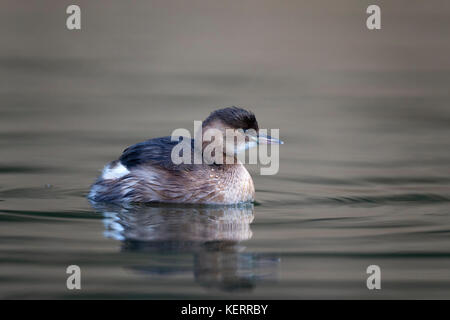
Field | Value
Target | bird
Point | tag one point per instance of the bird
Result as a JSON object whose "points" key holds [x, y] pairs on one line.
{"points": [[146, 172]]}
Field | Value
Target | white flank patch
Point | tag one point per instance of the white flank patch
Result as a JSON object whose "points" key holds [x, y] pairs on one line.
{"points": [[116, 172], [93, 193]]}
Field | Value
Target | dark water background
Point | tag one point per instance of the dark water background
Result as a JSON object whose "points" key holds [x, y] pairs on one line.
{"points": [[364, 173]]}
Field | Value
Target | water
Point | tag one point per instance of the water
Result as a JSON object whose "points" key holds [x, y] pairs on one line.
{"points": [[364, 171]]}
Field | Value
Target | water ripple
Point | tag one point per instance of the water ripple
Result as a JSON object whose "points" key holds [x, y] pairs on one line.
{"points": [[9, 215]]}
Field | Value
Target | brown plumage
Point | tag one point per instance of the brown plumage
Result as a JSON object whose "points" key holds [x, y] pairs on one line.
{"points": [[146, 173]]}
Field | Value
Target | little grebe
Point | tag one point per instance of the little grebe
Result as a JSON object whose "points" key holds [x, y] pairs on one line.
{"points": [[145, 171]]}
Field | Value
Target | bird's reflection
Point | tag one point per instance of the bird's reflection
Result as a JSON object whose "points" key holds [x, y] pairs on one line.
{"points": [[213, 235]]}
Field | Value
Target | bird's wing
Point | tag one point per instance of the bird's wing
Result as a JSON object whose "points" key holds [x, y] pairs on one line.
{"points": [[156, 152]]}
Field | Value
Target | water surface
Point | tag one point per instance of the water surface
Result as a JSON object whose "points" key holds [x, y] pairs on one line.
{"points": [[364, 171]]}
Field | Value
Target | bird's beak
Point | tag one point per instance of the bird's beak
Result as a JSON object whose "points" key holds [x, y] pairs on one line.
{"points": [[264, 139]]}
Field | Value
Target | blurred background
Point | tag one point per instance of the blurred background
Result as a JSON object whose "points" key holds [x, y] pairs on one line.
{"points": [[364, 171]]}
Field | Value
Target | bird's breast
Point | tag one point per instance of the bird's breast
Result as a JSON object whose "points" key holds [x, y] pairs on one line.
{"points": [[234, 185]]}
